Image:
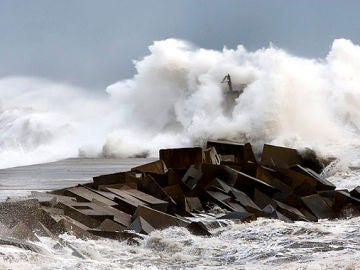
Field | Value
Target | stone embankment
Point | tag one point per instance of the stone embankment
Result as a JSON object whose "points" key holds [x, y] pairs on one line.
{"points": [[282, 184]]}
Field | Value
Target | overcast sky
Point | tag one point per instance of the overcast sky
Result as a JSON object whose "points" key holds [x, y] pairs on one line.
{"points": [[92, 43]]}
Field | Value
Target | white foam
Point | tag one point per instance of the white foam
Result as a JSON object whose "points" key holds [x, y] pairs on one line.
{"points": [[176, 99]]}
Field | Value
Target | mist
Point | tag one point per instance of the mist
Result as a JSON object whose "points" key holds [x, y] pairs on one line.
{"points": [[176, 99]]}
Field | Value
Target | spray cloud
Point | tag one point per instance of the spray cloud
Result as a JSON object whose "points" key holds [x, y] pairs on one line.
{"points": [[176, 99]]}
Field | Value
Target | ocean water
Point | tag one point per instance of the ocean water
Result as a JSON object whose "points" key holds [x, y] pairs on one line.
{"points": [[262, 244]]}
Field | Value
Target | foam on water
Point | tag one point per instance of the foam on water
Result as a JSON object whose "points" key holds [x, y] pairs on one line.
{"points": [[262, 244], [176, 99]]}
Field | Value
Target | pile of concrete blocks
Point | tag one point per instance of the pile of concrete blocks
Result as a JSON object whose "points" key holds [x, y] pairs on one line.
{"points": [[281, 184]]}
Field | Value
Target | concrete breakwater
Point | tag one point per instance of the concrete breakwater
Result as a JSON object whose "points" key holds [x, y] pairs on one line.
{"points": [[283, 185]]}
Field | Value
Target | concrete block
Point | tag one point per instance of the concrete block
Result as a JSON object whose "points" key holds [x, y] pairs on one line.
{"points": [[318, 206], [150, 186], [271, 212], [177, 194], [236, 206], [27, 211], [198, 228], [279, 157], [48, 199], [175, 176], [349, 211], [342, 199], [83, 194], [313, 178], [355, 192], [64, 226], [269, 176], [241, 216], [22, 232], [157, 219], [125, 236], [117, 178], [210, 156], [120, 217], [110, 179], [290, 212], [89, 214], [222, 172], [153, 202], [140, 225], [247, 184], [120, 186], [192, 176], [261, 199], [193, 204], [219, 198], [181, 157], [245, 200], [233, 150], [157, 167], [125, 202], [111, 226], [23, 244]]}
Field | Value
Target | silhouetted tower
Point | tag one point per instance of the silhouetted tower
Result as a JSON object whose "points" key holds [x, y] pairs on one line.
{"points": [[227, 79]]}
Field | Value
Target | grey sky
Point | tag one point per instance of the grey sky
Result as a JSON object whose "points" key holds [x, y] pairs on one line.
{"points": [[92, 43]]}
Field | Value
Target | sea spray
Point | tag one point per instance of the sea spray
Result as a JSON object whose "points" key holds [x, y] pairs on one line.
{"points": [[176, 99]]}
